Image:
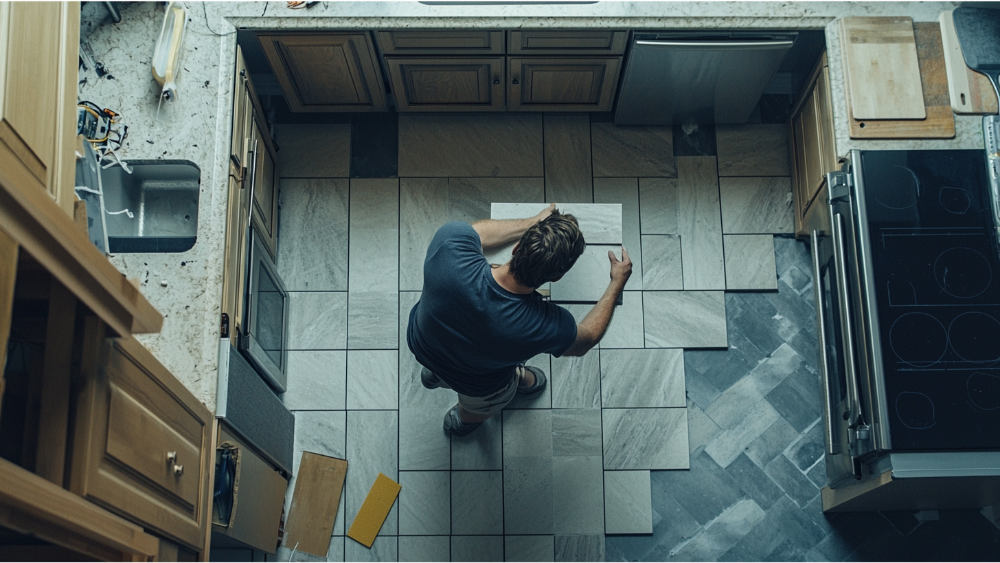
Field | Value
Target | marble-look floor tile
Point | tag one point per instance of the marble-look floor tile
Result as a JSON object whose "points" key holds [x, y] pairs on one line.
{"points": [[658, 206], [626, 192], [480, 450], [701, 428], [567, 159], [384, 549], [527, 490], [321, 150], [477, 548], [750, 263], [374, 203], [527, 433], [580, 548], [312, 255], [684, 319], [336, 550], [645, 438], [752, 150], [483, 145], [374, 235], [661, 263], [589, 277], [424, 548], [626, 328], [576, 432], [422, 441], [317, 320], [372, 320], [728, 445], [578, 495], [642, 378], [472, 199], [317, 380], [628, 505], [700, 223], [600, 223], [576, 381], [632, 150], [424, 505], [324, 433], [757, 205], [477, 499], [372, 448], [529, 548], [543, 400], [423, 208], [372, 379]]}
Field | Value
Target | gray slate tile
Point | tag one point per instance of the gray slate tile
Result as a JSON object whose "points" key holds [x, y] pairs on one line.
{"points": [[477, 548], [809, 448], [771, 443], [424, 548], [661, 263], [719, 536], [576, 381], [626, 192], [422, 441], [699, 219], [684, 319], [727, 446], [626, 328], [527, 433], [754, 482], [527, 495], [576, 432], [627, 503], [757, 205], [567, 159], [383, 549], [481, 449], [423, 209], [703, 493], [500, 145], [578, 495], [580, 548], [750, 262], [796, 485], [529, 548], [645, 438], [659, 206], [752, 150]]}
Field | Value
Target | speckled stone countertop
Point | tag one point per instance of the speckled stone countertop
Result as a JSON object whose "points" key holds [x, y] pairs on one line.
{"points": [[187, 287]]}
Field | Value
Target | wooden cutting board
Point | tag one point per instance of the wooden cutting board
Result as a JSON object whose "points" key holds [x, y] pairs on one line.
{"points": [[971, 92], [880, 61], [940, 120]]}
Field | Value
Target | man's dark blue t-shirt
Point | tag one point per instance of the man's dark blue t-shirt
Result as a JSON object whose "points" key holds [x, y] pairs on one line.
{"points": [[470, 331]]}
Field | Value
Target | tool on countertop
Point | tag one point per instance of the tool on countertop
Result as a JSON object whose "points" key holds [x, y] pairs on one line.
{"points": [[971, 92], [978, 32]]}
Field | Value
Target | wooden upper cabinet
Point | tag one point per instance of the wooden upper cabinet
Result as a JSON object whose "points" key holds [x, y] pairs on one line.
{"points": [[444, 42], [327, 71], [39, 44], [447, 84], [265, 188], [559, 42], [567, 84]]}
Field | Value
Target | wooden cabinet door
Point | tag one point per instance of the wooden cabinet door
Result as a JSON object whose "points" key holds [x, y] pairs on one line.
{"points": [[824, 121], [241, 104], [265, 187], [142, 443], [811, 147], [474, 42], [562, 42], [567, 84], [39, 44], [328, 72], [447, 84]]}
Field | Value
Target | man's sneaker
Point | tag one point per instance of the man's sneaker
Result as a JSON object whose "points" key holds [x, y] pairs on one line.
{"points": [[454, 425], [536, 389], [429, 380]]}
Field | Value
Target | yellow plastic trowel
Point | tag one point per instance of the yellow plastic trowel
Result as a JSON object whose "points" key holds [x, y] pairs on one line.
{"points": [[166, 57]]}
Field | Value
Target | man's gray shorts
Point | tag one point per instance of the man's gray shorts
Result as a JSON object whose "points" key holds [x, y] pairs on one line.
{"points": [[489, 405]]}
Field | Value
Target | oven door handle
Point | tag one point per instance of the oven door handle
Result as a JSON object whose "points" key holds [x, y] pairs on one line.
{"points": [[847, 332], [832, 446]]}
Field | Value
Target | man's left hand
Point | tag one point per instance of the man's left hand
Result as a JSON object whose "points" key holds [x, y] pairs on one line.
{"points": [[545, 212]]}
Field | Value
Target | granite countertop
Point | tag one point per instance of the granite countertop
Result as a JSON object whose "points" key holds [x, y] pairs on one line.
{"points": [[187, 287]]}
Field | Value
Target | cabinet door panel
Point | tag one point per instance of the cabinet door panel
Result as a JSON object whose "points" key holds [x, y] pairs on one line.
{"points": [[444, 42], [811, 147], [326, 72], [543, 84], [439, 84], [824, 117], [265, 191], [543, 42]]}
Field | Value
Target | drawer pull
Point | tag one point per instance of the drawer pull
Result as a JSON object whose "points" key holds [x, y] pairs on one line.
{"points": [[171, 457], [178, 470]]}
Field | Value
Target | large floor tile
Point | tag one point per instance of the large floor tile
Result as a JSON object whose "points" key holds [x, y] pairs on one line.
{"points": [[477, 548], [699, 218], [600, 223], [423, 208], [728, 445], [661, 263], [384, 549], [317, 380], [372, 379], [757, 205], [642, 378], [424, 503], [372, 448], [480, 450], [324, 433], [321, 150], [658, 206], [472, 199], [423, 443], [567, 159], [313, 231], [499, 145], [645, 438], [752, 150], [750, 263], [578, 495], [589, 277], [588, 547], [477, 499], [527, 433], [317, 320], [374, 235], [734, 523], [626, 328], [632, 150], [529, 548], [576, 381], [626, 192], [576, 432], [527, 490], [372, 320], [424, 548], [684, 319], [627, 503]]}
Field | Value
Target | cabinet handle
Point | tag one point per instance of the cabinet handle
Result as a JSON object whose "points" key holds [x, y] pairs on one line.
{"points": [[515, 81], [171, 457], [178, 470], [496, 81]]}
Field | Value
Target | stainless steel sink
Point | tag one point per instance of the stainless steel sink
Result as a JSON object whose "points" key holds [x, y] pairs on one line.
{"points": [[161, 197]]}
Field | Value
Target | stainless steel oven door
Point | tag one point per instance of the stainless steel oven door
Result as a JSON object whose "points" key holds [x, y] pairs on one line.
{"points": [[265, 337]]}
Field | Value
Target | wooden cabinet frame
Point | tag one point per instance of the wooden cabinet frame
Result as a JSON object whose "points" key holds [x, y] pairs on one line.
{"points": [[813, 151], [520, 85], [475, 42], [566, 42], [487, 85]]}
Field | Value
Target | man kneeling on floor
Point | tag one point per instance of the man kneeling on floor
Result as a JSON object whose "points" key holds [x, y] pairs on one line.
{"points": [[476, 323]]}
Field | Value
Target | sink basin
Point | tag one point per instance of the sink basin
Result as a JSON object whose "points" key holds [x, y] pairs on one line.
{"points": [[161, 197]]}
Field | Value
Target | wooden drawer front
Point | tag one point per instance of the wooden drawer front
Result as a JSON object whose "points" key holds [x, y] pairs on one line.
{"points": [[439, 84], [444, 42], [326, 72], [567, 42], [543, 84]]}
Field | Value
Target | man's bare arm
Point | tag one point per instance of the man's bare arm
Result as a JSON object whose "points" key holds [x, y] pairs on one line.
{"points": [[494, 232], [591, 329]]}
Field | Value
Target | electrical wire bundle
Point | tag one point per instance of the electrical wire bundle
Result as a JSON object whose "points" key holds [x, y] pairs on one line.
{"points": [[106, 132]]}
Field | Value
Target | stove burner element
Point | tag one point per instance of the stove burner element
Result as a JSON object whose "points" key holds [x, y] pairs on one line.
{"points": [[984, 390], [915, 410], [918, 339], [975, 337], [963, 272], [903, 194], [955, 200]]}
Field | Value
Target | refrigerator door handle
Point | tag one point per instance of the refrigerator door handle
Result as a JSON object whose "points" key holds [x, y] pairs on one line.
{"points": [[717, 44], [832, 447]]}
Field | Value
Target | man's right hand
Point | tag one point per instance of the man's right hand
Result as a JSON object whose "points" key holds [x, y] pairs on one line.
{"points": [[620, 269]]}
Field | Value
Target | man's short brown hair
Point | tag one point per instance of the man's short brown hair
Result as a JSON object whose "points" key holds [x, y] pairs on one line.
{"points": [[547, 250]]}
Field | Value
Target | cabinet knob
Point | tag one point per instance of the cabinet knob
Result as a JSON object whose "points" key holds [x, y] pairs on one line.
{"points": [[496, 81], [171, 457], [178, 470], [515, 81]]}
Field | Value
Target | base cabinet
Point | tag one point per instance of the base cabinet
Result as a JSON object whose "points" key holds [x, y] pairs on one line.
{"points": [[447, 84], [567, 84], [813, 152]]}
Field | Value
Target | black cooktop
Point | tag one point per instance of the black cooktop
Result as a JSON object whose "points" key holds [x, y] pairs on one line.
{"points": [[936, 268]]}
